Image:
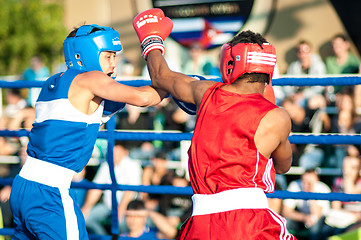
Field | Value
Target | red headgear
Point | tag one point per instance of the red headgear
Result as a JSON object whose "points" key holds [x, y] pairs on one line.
{"points": [[246, 58]]}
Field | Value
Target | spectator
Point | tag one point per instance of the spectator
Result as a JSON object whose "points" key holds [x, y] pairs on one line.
{"points": [[299, 124], [308, 63], [15, 116], [342, 62], [144, 152], [127, 171], [24, 119], [357, 94], [125, 68], [276, 203], [177, 208], [5, 191], [36, 71], [14, 103], [155, 174], [346, 121], [318, 122], [344, 214], [199, 63], [306, 216], [136, 218]]}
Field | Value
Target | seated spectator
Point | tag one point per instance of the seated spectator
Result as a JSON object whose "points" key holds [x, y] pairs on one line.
{"points": [[319, 122], [24, 119], [305, 218], [36, 71], [276, 203], [357, 95], [145, 151], [136, 219], [127, 171], [199, 63], [14, 103], [155, 174], [345, 214], [346, 121], [299, 124], [342, 61], [308, 63], [177, 208], [12, 171]]}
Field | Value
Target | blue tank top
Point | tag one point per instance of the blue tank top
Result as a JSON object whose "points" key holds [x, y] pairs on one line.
{"points": [[61, 134]]}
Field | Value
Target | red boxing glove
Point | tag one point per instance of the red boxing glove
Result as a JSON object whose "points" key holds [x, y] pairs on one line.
{"points": [[152, 28]]}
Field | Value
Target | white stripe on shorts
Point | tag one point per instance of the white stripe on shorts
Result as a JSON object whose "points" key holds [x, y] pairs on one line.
{"points": [[72, 230]]}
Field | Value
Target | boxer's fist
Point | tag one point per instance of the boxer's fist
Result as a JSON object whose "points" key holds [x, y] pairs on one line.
{"points": [[152, 28]]}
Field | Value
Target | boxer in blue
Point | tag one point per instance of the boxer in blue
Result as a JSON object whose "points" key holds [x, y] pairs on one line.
{"points": [[70, 108]]}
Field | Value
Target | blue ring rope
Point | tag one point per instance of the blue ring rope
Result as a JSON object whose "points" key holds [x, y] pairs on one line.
{"points": [[188, 191], [326, 80], [296, 138]]}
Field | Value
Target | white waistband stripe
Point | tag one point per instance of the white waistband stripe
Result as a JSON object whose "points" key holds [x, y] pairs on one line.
{"points": [[241, 198], [46, 173]]}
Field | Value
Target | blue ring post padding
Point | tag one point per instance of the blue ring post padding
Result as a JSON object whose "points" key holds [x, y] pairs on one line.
{"points": [[110, 158]]}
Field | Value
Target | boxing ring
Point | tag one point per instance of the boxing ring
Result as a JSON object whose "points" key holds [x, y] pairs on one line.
{"points": [[111, 134]]}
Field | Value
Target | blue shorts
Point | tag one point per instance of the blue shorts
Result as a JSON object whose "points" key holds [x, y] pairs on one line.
{"points": [[45, 212]]}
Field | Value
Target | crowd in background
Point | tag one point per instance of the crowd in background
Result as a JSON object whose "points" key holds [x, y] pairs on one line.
{"points": [[317, 109]]}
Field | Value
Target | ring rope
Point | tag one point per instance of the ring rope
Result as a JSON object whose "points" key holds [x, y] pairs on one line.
{"points": [[188, 191], [295, 138], [326, 80]]}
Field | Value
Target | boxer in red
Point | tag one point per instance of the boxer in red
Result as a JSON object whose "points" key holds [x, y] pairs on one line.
{"points": [[240, 140]]}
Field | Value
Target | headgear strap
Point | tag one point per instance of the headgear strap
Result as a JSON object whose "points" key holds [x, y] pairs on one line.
{"points": [[246, 58]]}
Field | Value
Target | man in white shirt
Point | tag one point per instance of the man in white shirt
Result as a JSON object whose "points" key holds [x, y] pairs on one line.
{"points": [[127, 171], [306, 215]]}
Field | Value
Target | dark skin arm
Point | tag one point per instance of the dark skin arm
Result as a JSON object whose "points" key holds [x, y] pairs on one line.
{"points": [[180, 86], [271, 139]]}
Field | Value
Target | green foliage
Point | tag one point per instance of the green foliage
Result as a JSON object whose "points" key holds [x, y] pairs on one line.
{"points": [[28, 28]]}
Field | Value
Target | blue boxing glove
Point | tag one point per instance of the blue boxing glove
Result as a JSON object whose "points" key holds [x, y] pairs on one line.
{"points": [[189, 108], [110, 109]]}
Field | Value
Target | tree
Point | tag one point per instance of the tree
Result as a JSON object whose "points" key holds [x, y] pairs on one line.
{"points": [[28, 28]]}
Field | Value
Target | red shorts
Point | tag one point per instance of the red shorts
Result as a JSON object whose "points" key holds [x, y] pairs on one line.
{"points": [[238, 224]]}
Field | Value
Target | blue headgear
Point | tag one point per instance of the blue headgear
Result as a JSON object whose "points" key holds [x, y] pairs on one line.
{"points": [[86, 47]]}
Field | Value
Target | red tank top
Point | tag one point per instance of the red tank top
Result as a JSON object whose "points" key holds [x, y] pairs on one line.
{"points": [[223, 154]]}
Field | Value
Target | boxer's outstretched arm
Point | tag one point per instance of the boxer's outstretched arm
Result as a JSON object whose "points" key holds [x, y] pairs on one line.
{"points": [[180, 86], [152, 28]]}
